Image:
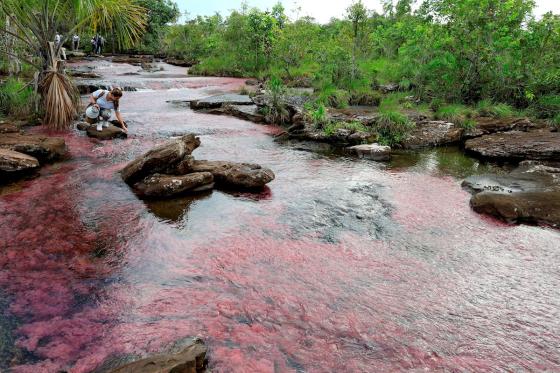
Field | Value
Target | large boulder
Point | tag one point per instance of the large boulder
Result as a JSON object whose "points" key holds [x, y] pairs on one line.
{"points": [[158, 185], [219, 101], [107, 133], [13, 163], [188, 359], [172, 157], [45, 149], [529, 194], [433, 133], [374, 152], [235, 175], [517, 146], [525, 207]]}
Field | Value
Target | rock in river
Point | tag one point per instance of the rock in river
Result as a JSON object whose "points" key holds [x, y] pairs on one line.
{"points": [[374, 152], [187, 359], [45, 149], [433, 133], [158, 185], [173, 155], [236, 175], [12, 163], [529, 194], [218, 101], [108, 133], [517, 146]]}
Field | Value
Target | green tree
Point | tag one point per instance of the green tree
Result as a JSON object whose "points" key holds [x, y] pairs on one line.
{"points": [[38, 21], [160, 14]]}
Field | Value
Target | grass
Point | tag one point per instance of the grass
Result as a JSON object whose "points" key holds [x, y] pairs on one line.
{"points": [[556, 121], [547, 106], [355, 126], [457, 114], [393, 127], [488, 109], [15, 99]]}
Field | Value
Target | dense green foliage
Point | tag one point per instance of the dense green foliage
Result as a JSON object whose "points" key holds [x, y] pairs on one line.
{"points": [[15, 98], [160, 13], [453, 51]]}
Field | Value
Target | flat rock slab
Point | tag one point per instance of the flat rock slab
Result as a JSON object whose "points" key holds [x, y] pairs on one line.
{"points": [[108, 133], [134, 59], [374, 152], [516, 146], [180, 62], [433, 133], [12, 162], [218, 101], [173, 157], [8, 128], [524, 207], [486, 126], [236, 175], [45, 149], [246, 112], [189, 359], [159, 185]]}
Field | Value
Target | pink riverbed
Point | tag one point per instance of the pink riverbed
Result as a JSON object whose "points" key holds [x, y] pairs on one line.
{"points": [[341, 265]]}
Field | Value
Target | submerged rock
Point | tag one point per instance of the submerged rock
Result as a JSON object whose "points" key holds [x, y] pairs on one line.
{"points": [[108, 133], [188, 359], [219, 101], [236, 175], [374, 152], [433, 133], [45, 149], [158, 185], [174, 154], [13, 163], [517, 146]]}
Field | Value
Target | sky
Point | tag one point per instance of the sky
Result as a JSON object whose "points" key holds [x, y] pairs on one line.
{"points": [[321, 10]]}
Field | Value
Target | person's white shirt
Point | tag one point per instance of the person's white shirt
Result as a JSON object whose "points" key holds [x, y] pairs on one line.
{"points": [[102, 101]]}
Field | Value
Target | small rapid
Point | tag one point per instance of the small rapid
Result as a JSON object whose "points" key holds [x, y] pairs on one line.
{"points": [[340, 265]]}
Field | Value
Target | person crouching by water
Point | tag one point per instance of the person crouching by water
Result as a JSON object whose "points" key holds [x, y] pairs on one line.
{"points": [[105, 102]]}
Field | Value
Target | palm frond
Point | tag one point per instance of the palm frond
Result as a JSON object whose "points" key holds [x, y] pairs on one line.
{"points": [[60, 100]]}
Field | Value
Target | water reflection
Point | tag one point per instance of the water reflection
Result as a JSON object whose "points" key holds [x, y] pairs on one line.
{"points": [[175, 209]]}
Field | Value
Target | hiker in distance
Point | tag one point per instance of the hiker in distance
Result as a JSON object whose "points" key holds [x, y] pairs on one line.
{"points": [[101, 106]]}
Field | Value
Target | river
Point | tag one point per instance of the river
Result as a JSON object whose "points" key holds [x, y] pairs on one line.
{"points": [[340, 265]]}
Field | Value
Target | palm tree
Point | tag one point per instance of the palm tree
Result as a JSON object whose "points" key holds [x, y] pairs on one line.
{"points": [[35, 24]]}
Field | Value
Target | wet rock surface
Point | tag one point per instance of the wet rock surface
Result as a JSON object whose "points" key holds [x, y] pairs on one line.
{"points": [[247, 112], [8, 128], [517, 146], [45, 149], [170, 170], [107, 133], [236, 175], [374, 152], [180, 62], [159, 185], [529, 194], [190, 358], [162, 158], [12, 163], [433, 133], [133, 59], [219, 101]]}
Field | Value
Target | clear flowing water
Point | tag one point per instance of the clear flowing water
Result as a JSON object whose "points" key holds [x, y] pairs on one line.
{"points": [[341, 265]]}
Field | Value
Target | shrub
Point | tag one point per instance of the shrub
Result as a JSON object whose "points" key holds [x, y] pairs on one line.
{"points": [[276, 111], [436, 104], [393, 127], [244, 91], [15, 100], [336, 98], [547, 106], [556, 121], [488, 109], [319, 115], [365, 99]]}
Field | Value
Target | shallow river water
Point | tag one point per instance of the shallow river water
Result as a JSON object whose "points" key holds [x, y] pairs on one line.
{"points": [[341, 265]]}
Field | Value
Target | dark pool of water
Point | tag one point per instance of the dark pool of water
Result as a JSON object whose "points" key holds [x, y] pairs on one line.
{"points": [[341, 265]]}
